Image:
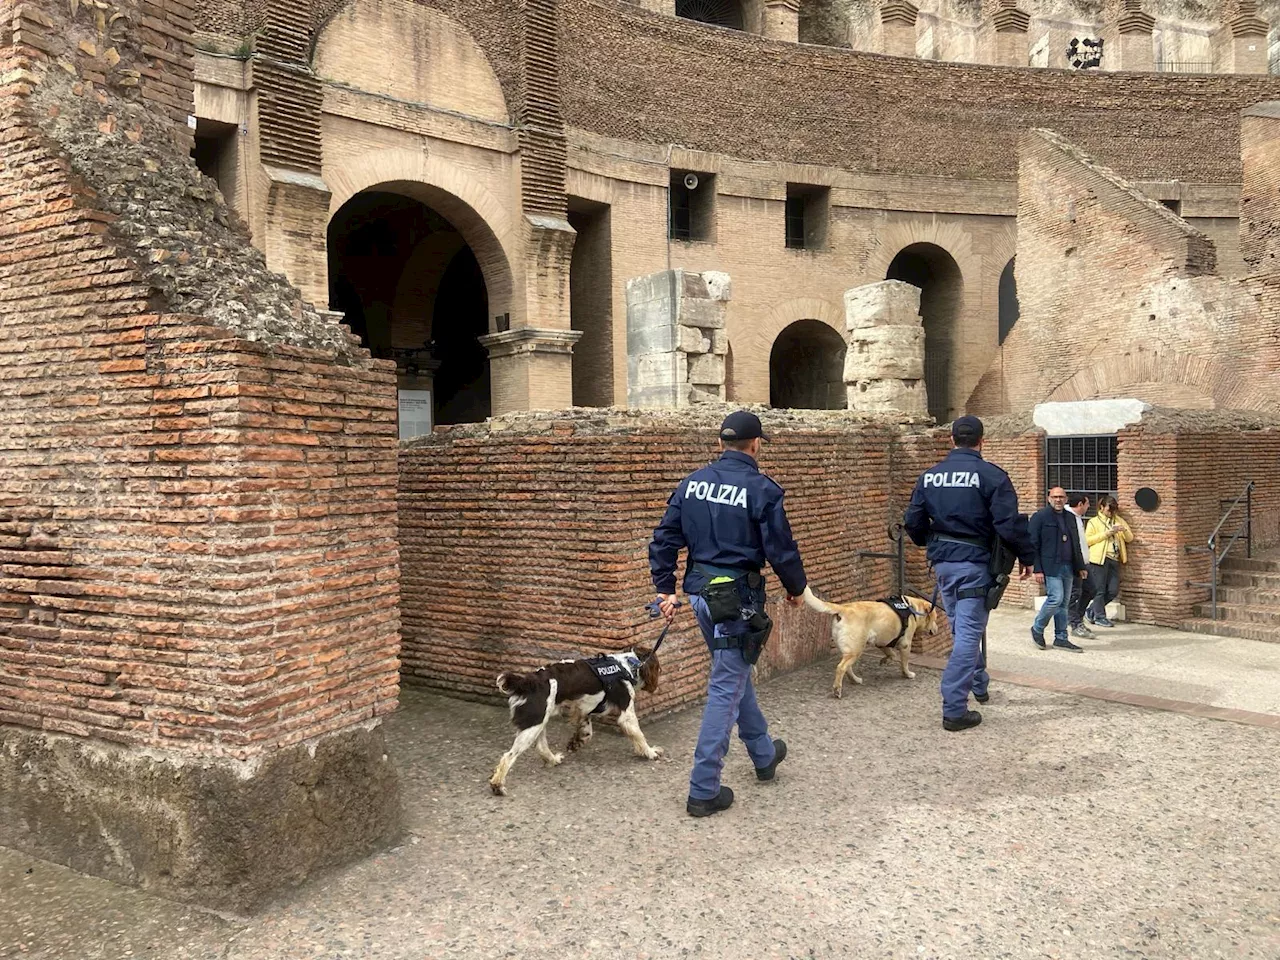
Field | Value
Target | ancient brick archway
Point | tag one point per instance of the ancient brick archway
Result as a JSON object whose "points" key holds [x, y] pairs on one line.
{"points": [[938, 276], [806, 367], [411, 287], [475, 213]]}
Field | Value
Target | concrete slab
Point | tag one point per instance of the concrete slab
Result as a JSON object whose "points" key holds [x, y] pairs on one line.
{"points": [[1153, 661], [1063, 827]]}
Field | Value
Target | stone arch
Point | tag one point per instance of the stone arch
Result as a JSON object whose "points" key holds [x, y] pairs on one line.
{"points": [[806, 367], [1007, 309], [752, 342], [937, 274], [1110, 374], [423, 56], [717, 13], [473, 211]]}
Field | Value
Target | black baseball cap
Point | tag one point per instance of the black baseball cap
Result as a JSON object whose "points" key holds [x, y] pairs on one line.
{"points": [[967, 428], [741, 425]]}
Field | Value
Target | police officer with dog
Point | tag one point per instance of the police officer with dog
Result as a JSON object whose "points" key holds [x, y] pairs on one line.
{"points": [[730, 517], [965, 511]]}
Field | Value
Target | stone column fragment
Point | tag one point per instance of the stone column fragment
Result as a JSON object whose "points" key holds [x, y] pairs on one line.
{"points": [[884, 362], [676, 342]]}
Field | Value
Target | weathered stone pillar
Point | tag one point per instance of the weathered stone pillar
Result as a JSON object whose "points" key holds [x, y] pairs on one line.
{"points": [[1240, 44], [1260, 193], [898, 27], [1127, 43], [531, 366], [1004, 34], [782, 20], [884, 363], [676, 341]]}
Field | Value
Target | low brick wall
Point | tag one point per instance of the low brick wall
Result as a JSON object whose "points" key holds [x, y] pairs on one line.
{"points": [[1194, 460], [525, 539]]}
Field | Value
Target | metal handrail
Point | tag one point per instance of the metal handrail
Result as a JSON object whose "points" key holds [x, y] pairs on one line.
{"points": [[1244, 532], [899, 554]]}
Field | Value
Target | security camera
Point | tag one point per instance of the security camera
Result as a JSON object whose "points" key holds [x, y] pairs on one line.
{"points": [[691, 181]]}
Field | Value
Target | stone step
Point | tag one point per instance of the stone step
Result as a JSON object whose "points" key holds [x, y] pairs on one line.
{"points": [[1244, 578], [1268, 596], [1233, 628], [1252, 564], [1241, 612]]}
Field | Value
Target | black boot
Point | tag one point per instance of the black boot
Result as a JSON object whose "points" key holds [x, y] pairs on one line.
{"points": [[779, 754], [970, 718], [705, 808]]}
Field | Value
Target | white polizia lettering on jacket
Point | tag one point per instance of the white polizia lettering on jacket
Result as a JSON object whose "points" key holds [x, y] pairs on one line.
{"points": [[725, 493], [956, 478]]}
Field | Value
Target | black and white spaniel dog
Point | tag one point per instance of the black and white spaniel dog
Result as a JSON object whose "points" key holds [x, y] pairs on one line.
{"points": [[578, 690]]}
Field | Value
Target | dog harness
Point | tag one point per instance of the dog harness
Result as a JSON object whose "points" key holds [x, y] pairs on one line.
{"points": [[903, 609], [609, 671]]}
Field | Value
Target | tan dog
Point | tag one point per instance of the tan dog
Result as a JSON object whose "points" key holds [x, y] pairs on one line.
{"points": [[874, 622]]}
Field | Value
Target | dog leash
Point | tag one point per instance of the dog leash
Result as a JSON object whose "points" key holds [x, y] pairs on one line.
{"points": [[655, 611]]}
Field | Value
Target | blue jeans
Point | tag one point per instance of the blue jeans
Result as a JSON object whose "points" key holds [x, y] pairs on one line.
{"points": [[966, 670], [731, 699], [1058, 588]]}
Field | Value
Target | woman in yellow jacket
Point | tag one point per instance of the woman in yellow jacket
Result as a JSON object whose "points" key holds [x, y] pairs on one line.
{"points": [[1106, 535]]}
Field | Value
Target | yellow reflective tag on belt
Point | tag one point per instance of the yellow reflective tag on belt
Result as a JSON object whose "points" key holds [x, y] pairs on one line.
{"points": [[722, 580]]}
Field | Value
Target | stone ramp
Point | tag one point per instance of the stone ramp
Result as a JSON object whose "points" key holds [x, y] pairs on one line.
{"points": [[1145, 665]]}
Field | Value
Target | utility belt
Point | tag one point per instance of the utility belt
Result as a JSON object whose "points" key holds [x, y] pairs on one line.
{"points": [[736, 597], [1000, 562]]}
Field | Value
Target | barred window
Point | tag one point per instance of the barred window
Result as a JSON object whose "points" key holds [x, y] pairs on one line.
{"points": [[1082, 465]]}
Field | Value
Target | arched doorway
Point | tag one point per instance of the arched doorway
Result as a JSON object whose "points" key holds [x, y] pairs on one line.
{"points": [[936, 273], [1008, 299], [718, 13], [412, 289], [806, 367]]}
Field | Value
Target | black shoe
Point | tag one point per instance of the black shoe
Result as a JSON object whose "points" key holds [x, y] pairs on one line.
{"points": [[982, 697], [1038, 638], [705, 808], [971, 718], [779, 754], [1065, 644]]}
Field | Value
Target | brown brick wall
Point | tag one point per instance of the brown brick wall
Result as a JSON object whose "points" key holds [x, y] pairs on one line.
{"points": [[198, 530], [527, 540], [1118, 298], [1194, 462], [640, 76]]}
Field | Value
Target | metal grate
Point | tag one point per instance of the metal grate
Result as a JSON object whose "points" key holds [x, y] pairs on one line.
{"points": [[719, 13], [1184, 66], [795, 222], [1082, 465]]}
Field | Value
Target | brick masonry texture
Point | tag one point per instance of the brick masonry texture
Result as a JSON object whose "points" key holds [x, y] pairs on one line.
{"points": [[1119, 297], [844, 108], [197, 512], [525, 540]]}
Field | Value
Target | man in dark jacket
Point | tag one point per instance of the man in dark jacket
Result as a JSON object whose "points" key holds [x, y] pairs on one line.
{"points": [[1056, 543], [957, 509], [730, 516]]}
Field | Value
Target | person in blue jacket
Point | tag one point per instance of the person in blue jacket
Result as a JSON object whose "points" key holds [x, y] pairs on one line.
{"points": [[730, 517], [957, 509]]}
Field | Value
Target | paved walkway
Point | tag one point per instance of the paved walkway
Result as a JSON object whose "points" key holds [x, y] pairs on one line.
{"points": [[1171, 668], [1063, 827]]}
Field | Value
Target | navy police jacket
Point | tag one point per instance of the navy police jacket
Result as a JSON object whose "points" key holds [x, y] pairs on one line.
{"points": [[964, 496], [730, 516]]}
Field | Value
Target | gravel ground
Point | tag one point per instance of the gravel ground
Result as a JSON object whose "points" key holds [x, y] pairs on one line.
{"points": [[1061, 828]]}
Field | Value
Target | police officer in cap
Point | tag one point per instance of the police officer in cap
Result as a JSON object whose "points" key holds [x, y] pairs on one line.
{"points": [[957, 509], [730, 516]]}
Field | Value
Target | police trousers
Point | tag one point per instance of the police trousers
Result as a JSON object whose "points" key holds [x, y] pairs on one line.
{"points": [[966, 668], [731, 698]]}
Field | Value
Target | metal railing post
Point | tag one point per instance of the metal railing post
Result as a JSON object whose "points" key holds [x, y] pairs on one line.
{"points": [[902, 563], [1248, 520], [1213, 585]]}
